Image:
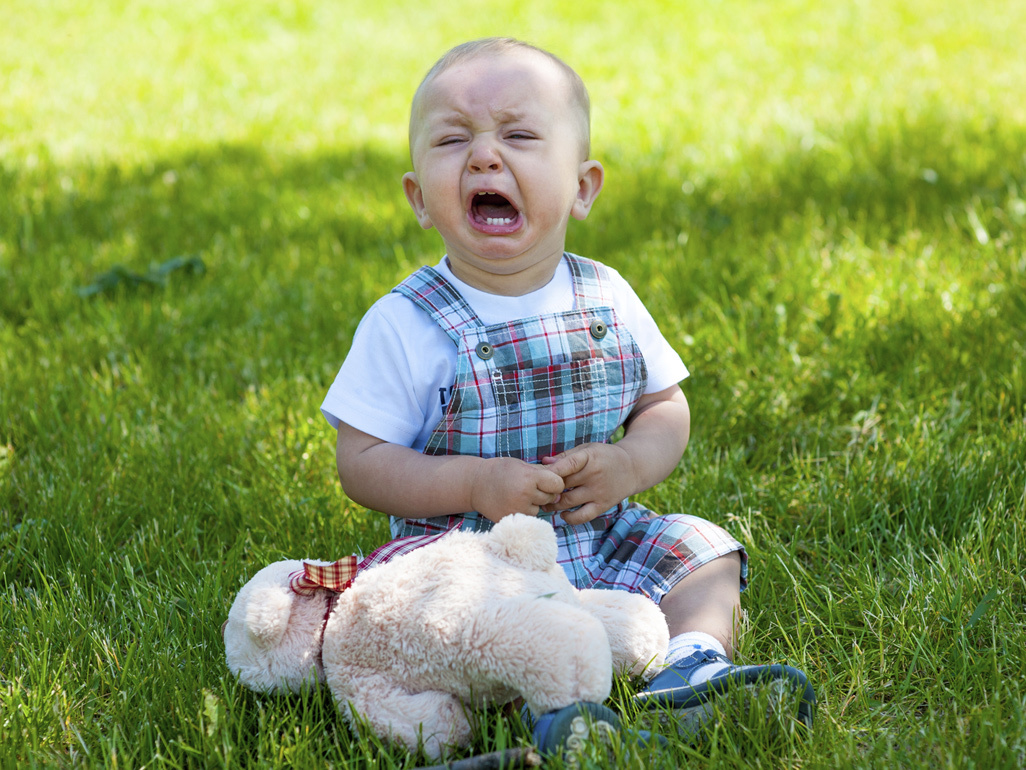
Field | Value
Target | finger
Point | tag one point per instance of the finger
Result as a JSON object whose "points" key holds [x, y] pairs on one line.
{"points": [[555, 505], [549, 505], [550, 484], [571, 498], [582, 514], [568, 464]]}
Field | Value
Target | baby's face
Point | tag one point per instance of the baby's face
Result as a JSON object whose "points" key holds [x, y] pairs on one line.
{"points": [[499, 169]]}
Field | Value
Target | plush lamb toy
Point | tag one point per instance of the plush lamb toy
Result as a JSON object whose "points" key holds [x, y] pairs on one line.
{"points": [[468, 620]]}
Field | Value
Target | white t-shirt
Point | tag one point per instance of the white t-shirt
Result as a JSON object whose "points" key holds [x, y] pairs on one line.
{"points": [[395, 382]]}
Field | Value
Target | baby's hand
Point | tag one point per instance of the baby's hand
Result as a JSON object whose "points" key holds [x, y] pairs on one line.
{"points": [[505, 485], [597, 477]]}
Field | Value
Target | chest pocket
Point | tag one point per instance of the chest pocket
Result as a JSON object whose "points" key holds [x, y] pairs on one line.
{"points": [[538, 386], [550, 409]]}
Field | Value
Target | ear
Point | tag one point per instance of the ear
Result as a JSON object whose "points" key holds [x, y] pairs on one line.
{"points": [[523, 541], [590, 177], [415, 195], [267, 615]]}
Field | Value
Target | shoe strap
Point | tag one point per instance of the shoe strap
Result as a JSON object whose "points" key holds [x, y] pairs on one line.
{"points": [[708, 656]]}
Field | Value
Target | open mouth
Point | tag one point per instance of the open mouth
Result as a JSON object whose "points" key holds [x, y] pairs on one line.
{"points": [[489, 209]]}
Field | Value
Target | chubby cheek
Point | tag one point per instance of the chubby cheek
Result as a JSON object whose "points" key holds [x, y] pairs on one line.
{"points": [[442, 201], [446, 212]]}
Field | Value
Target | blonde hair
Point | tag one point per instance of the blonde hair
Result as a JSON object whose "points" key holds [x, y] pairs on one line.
{"points": [[503, 45]]}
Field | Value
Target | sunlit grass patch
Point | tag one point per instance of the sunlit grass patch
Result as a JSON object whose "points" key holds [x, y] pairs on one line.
{"points": [[824, 206]]}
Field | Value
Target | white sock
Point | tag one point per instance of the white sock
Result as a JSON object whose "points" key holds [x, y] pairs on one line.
{"points": [[691, 642], [683, 645]]}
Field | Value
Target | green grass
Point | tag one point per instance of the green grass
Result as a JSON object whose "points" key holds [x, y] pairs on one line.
{"points": [[824, 205]]}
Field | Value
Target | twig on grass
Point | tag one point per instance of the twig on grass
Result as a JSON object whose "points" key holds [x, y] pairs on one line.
{"points": [[525, 756]]}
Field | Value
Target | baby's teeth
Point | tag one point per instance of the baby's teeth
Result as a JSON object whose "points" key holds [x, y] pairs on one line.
{"points": [[498, 221]]}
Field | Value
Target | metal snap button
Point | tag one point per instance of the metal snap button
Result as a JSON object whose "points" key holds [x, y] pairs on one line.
{"points": [[484, 351], [599, 330]]}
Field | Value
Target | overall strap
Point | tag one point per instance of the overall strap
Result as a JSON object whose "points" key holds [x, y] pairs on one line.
{"points": [[431, 292], [591, 285]]}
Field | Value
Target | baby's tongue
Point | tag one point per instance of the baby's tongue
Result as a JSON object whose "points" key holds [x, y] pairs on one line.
{"points": [[494, 207], [501, 210]]}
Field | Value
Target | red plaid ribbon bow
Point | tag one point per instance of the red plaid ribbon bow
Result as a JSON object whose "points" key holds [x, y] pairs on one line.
{"points": [[339, 575], [335, 577]]}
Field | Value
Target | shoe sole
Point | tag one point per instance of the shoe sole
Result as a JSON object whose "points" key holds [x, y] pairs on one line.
{"points": [[695, 707], [576, 727]]}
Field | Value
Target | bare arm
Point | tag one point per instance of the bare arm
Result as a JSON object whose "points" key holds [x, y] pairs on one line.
{"points": [[403, 482], [601, 475]]}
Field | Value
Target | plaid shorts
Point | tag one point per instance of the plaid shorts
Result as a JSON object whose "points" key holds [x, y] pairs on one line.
{"points": [[634, 549]]}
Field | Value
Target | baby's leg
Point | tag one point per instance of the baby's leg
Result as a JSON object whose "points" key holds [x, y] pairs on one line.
{"points": [[436, 718], [708, 600]]}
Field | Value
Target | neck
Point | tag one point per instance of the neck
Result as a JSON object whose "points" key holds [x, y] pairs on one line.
{"points": [[515, 283]]}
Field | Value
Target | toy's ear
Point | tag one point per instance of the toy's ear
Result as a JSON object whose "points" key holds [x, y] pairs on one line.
{"points": [[267, 615], [523, 541]]}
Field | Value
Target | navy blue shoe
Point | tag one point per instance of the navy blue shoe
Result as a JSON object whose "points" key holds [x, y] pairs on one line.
{"points": [[693, 705], [572, 729]]}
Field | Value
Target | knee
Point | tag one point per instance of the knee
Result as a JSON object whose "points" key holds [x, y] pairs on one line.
{"points": [[722, 571]]}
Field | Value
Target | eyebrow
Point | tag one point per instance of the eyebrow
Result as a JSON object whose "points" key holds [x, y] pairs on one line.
{"points": [[510, 116], [452, 119], [459, 118]]}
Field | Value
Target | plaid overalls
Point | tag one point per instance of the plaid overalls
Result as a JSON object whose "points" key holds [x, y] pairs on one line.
{"points": [[538, 386]]}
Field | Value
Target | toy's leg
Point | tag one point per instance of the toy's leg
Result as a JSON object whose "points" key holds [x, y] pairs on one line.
{"points": [[635, 626], [437, 719], [552, 653]]}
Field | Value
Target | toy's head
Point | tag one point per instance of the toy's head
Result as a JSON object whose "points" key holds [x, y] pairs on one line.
{"points": [[273, 635]]}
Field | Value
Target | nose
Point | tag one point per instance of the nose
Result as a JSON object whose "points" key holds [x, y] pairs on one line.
{"points": [[484, 156]]}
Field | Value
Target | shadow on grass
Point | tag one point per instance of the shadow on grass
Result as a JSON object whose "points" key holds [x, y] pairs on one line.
{"points": [[243, 210], [343, 209]]}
